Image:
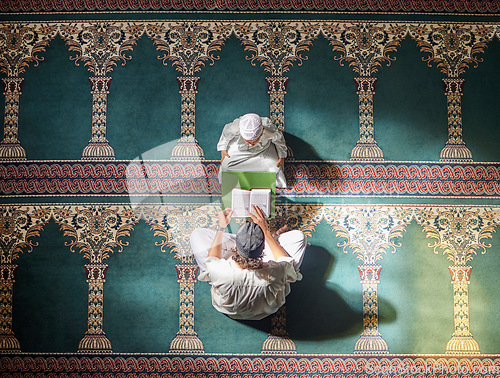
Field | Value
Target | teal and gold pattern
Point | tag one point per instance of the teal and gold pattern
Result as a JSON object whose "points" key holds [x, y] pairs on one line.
{"points": [[369, 232], [275, 44], [399, 273]]}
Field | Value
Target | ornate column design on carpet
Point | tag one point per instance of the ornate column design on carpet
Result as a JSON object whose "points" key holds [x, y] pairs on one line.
{"points": [[95, 339], [18, 225], [276, 86], [100, 45], [96, 231], [365, 46], [174, 225], [453, 47], [369, 232], [19, 45], [366, 147], [98, 146], [278, 341], [180, 221], [304, 218], [455, 149], [186, 340], [187, 147], [188, 45], [277, 45], [371, 340], [459, 234], [8, 341], [10, 148]]}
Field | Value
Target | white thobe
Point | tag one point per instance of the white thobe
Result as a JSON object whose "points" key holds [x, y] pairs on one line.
{"points": [[245, 293], [262, 157]]}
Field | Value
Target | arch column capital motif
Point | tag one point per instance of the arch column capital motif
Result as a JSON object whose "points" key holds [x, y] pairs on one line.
{"points": [[188, 45], [20, 44], [277, 45], [453, 47], [18, 226], [366, 46], [100, 45], [174, 224], [459, 233], [369, 232], [365, 84], [96, 231]]}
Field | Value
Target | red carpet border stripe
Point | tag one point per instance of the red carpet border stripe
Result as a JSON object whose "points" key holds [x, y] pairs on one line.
{"points": [[254, 366], [171, 178], [426, 6]]}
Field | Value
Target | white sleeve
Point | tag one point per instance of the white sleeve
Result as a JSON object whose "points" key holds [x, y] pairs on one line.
{"points": [[230, 131], [279, 142], [277, 137], [290, 273], [212, 263]]}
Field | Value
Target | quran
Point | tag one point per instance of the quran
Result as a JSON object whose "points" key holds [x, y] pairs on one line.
{"points": [[242, 201]]}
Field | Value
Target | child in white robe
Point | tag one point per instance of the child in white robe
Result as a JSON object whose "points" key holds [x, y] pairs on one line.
{"points": [[252, 143]]}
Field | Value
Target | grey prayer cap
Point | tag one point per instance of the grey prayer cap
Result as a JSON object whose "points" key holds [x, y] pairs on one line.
{"points": [[250, 240]]}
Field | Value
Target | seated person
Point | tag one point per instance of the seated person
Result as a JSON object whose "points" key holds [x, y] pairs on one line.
{"points": [[251, 143], [250, 272]]}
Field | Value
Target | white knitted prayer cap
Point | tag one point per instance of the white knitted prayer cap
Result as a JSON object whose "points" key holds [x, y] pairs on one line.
{"points": [[250, 126]]}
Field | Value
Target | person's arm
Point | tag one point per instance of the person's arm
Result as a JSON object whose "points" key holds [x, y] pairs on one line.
{"points": [[276, 249], [229, 132], [216, 248], [277, 139], [279, 142]]}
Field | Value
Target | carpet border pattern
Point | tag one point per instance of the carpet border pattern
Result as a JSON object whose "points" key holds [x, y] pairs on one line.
{"points": [[191, 178], [252, 365]]}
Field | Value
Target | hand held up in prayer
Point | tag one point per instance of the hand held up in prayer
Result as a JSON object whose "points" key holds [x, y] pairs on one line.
{"points": [[225, 217]]}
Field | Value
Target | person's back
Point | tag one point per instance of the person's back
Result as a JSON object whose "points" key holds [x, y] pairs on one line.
{"points": [[250, 294], [250, 272]]}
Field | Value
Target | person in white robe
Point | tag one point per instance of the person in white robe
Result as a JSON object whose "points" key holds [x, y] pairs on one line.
{"points": [[253, 144], [249, 272]]}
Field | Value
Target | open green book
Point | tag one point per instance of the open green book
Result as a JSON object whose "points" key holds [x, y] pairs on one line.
{"points": [[248, 181]]}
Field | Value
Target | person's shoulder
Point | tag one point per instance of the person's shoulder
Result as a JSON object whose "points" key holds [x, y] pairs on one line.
{"points": [[233, 123], [279, 264], [269, 127], [267, 123], [214, 260], [217, 268], [231, 129]]}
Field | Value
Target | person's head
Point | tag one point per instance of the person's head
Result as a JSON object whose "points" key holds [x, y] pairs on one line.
{"points": [[251, 128], [250, 244]]}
